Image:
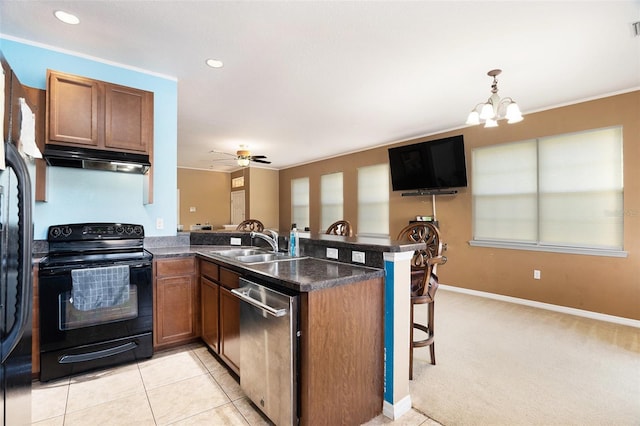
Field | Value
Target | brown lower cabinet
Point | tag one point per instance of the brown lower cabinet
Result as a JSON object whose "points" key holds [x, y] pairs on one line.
{"points": [[176, 301], [220, 312], [230, 329], [210, 300]]}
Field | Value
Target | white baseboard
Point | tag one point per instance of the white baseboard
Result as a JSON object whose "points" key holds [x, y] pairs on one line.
{"points": [[557, 308], [394, 411]]}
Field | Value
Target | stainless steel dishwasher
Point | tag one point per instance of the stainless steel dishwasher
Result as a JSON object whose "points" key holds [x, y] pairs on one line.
{"points": [[269, 334]]}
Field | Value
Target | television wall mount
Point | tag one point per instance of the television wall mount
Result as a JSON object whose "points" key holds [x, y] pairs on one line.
{"points": [[433, 197], [433, 192]]}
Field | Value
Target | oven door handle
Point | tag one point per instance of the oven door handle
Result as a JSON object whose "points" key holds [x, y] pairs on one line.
{"points": [[89, 356]]}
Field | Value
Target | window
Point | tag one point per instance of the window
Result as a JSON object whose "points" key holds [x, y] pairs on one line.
{"points": [[300, 202], [559, 193], [373, 200], [237, 182], [330, 199]]}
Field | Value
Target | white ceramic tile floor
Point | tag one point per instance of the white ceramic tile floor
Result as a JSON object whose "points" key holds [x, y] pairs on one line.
{"points": [[183, 386]]}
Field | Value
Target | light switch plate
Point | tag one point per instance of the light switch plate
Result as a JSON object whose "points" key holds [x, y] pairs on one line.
{"points": [[332, 253], [357, 256], [236, 241]]}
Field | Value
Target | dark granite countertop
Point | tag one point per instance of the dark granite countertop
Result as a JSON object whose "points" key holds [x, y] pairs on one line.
{"points": [[301, 275]]}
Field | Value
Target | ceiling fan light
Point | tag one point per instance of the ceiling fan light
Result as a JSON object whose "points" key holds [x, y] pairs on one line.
{"points": [[473, 118], [487, 111], [243, 162]]}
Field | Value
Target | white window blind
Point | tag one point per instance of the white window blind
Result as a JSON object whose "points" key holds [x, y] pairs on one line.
{"points": [[300, 202], [373, 200], [563, 191], [504, 192], [331, 199]]}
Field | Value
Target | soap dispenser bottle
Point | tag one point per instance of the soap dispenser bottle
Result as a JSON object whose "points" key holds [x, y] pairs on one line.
{"points": [[294, 248]]}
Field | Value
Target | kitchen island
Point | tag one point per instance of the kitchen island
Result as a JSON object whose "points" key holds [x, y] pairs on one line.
{"points": [[341, 322]]}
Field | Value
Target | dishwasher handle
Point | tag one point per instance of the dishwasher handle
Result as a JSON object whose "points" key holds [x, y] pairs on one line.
{"points": [[243, 294]]}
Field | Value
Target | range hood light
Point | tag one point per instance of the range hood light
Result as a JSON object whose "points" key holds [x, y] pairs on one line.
{"points": [[129, 166], [87, 158]]}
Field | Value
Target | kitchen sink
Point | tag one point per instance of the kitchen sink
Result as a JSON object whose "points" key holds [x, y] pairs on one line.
{"points": [[239, 252], [252, 255]]}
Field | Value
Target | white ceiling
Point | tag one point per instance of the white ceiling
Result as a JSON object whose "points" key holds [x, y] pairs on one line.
{"points": [[305, 80]]}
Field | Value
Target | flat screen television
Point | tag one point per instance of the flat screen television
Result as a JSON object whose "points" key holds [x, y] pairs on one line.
{"points": [[430, 166]]}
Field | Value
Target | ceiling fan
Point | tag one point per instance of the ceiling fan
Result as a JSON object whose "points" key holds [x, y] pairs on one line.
{"points": [[243, 157]]}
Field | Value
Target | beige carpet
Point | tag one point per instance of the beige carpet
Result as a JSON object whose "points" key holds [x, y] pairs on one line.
{"points": [[500, 363]]}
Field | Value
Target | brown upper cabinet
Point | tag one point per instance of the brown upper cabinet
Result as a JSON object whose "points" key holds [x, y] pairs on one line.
{"points": [[96, 114]]}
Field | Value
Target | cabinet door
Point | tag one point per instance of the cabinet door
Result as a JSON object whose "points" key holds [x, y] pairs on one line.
{"points": [[73, 110], [230, 329], [175, 316], [128, 118], [209, 292]]}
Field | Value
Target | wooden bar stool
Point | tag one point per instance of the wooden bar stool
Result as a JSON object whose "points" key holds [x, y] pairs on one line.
{"points": [[250, 225], [424, 282], [340, 227]]}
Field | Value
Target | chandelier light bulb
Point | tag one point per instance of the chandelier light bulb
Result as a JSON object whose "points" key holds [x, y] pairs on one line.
{"points": [[513, 114], [490, 123], [473, 118], [487, 111]]}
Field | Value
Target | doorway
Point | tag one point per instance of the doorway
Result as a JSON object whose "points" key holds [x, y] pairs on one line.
{"points": [[237, 207]]}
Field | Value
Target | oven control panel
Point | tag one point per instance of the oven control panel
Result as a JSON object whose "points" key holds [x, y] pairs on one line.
{"points": [[94, 231]]}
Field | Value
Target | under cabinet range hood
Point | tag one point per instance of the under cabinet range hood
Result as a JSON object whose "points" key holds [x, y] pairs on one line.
{"points": [[86, 158]]}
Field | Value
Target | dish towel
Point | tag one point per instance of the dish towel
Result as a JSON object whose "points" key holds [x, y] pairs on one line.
{"points": [[94, 288]]}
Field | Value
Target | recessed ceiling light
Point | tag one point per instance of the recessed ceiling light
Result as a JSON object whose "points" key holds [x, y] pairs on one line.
{"points": [[67, 18], [214, 63]]}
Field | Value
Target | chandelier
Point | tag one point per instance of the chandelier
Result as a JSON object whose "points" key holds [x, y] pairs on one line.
{"points": [[494, 108]]}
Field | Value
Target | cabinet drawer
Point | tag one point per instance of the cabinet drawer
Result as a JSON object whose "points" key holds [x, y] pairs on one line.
{"points": [[179, 266], [229, 279], [209, 270]]}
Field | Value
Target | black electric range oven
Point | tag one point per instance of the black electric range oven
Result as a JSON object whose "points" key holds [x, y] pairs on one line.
{"points": [[96, 298]]}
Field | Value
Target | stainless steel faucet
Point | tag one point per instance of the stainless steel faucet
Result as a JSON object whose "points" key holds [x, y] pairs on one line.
{"points": [[271, 239]]}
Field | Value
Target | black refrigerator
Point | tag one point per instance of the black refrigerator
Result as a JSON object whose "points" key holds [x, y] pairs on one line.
{"points": [[16, 238]]}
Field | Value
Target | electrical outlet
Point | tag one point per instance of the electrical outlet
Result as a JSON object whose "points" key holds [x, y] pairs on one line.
{"points": [[332, 253], [357, 256], [536, 274], [192, 209], [159, 223], [236, 241]]}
